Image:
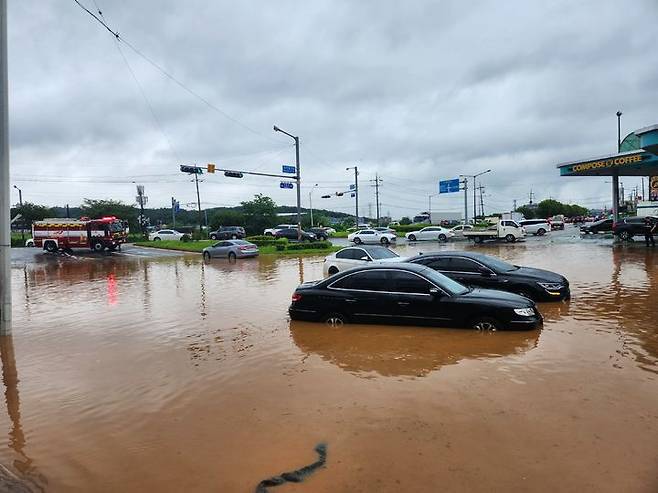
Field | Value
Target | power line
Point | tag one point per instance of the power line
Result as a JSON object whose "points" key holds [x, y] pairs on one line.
{"points": [[120, 38]]}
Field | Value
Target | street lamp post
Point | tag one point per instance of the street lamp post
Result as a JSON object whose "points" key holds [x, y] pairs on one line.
{"points": [[475, 193], [5, 209], [310, 201], [429, 205], [356, 193], [20, 201], [298, 179], [615, 175]]}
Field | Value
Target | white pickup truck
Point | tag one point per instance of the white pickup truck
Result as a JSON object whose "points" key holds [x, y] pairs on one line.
{"points": [[507, 230]]}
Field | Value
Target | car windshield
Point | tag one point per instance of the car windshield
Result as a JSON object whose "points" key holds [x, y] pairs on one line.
{"points": [[453, 288], [116, 227], [381, 253], [497, 264]]}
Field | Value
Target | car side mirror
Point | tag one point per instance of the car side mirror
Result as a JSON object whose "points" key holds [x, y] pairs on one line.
{"points": [[485, 272], [436, 292], [366, 258]]}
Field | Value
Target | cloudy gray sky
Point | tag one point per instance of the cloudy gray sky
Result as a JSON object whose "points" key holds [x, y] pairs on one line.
{"points": [[415, 91]]}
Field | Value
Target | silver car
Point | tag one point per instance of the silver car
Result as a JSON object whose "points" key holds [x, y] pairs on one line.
{"points": [[230, 249]]}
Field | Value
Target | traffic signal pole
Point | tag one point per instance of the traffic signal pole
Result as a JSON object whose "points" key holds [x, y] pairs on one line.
{"points": [[5, 208], [198, 200]]}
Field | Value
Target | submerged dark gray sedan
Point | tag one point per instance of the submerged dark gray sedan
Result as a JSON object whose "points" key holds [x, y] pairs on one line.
{"points": [[230, 249]]}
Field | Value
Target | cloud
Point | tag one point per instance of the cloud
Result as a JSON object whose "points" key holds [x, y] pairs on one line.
{"points": [[416, 93]]}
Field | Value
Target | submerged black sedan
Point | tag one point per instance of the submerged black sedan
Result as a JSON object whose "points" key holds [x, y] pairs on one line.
{"points": [[409, 294], [476, 269]]}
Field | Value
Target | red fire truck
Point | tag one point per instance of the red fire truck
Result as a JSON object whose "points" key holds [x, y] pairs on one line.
{"points": [[62, 234]]}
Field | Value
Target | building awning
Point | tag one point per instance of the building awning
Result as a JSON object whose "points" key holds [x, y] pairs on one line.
{"points": [[639, 158]]}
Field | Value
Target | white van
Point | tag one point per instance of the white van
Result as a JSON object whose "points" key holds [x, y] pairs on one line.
{"points": [[537, 227]]}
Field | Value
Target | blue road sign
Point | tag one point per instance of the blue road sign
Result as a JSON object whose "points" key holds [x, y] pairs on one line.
{"points": [[449, 186], [286, 184], [352, 187], [289, 169]]}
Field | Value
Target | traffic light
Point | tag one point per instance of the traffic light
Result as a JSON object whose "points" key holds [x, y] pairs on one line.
{"points": [[326, 196], [233, 174], [211, 168], [191, 169]]}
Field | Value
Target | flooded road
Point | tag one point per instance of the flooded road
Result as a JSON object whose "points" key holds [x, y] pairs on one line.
{"points": [[136, 374]]}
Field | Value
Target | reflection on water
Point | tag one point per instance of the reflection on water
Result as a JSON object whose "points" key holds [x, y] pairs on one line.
{"points": [[404, 351], [175, 374], [30, 479]]}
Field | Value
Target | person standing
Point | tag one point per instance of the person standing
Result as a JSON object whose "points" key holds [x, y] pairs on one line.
{"points": [[649, 229]]}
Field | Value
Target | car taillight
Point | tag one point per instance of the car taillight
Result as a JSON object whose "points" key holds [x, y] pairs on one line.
{"points": [[296, 297], [244, 247]]}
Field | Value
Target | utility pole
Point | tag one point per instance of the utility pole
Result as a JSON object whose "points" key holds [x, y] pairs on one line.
{"points": [[198, 200], [298, 179], [356, 192], [465, 185], [5, 207], [377, 182], [141, 200], [68, 212], [531, 195], [615, 175], [481, 189], [20, 202], [514, 205], [173, 212]]}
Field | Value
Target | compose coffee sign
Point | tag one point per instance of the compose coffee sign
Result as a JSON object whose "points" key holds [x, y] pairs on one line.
{"points": [[607, 163]]}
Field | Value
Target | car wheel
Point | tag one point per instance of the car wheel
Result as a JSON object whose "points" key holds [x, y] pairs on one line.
{"points": [[412, 237], [156, 239], [112, 248], [335, 319], [478, 239], [213, 237], [206, 256], [625, 235], [268, 234], [97, 246], [332, 270], [510, 238], [234, 237], [443, 237], [232, 256], [541, 232], [51, 247], [486, 324], [384, 241], [357, 240]]}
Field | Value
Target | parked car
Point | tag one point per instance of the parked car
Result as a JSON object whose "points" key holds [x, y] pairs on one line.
{"points": [[29, 242], [435, 233], [458, 231], [291, 234], [628, 227], [228, 232], [230, 249], [383, 229], [353, 256], [320, 233], [168, 234], [271, 231], [407, 293], [556, 222], [600, 226], [371, 236], [537, 227], [478, 270]]}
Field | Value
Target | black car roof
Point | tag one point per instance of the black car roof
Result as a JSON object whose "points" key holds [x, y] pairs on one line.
{"points": [[451, 253]]}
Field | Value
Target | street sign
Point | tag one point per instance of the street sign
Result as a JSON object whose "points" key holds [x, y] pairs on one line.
{"points": [[352, 187], [449, 186], [352, 195], [289, 169], [286, 184], [191, 169]]}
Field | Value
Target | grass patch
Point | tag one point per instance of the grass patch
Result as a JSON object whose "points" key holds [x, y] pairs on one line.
{"points": [[17, 241], [198, 246]]}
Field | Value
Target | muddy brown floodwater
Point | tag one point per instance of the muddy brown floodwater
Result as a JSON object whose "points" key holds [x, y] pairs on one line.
{"points": [[139, 374]]}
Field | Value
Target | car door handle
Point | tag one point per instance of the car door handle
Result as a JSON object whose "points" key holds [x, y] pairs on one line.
{"points": [[350, 300], [403, 303]]}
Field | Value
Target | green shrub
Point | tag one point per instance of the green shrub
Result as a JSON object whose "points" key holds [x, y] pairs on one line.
{"points": [[312, 245], [263, 240]]}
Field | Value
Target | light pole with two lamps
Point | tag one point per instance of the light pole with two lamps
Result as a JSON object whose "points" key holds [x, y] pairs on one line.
{"points": [[297, 178]]}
